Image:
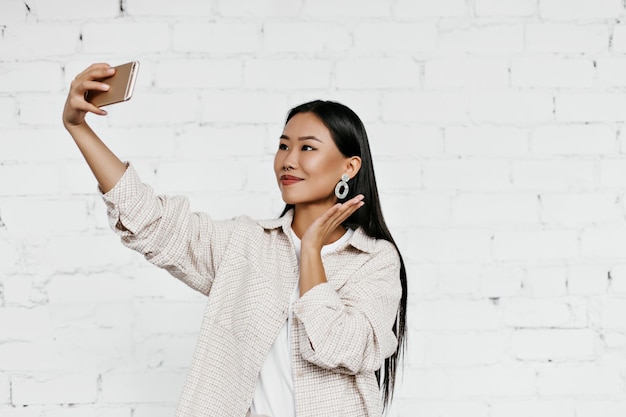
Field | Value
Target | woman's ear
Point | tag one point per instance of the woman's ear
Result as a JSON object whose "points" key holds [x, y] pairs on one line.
{"points": [[354, 165]]}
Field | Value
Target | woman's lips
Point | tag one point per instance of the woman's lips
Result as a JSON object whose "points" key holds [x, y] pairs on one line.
{"points": [[289, 179]]}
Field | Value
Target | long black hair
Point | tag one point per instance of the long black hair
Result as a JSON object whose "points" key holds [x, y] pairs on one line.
{"points": [[349, 134]]}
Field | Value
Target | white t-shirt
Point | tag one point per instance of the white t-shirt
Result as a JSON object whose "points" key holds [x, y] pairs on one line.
{"points": [[274, 389]]}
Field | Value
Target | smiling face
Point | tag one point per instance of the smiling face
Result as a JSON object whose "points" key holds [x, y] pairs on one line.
{"points": [[308, 164]]}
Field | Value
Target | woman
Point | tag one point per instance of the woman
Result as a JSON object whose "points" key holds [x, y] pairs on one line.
{"points": [[305, 313]]}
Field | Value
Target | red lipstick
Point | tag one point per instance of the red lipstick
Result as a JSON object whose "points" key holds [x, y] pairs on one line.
{"points": [[289, 179]]}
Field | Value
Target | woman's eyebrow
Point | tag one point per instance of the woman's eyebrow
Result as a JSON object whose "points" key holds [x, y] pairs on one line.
{"points": [[283, 136]]}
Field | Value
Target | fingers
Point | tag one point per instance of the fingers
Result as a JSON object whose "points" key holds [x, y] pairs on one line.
{"points": [[89, 80], [79, 103], [96, 71], [341, 211]]}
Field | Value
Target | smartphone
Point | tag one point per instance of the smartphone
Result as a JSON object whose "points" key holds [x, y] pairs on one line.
{"points": [[122, 86]]}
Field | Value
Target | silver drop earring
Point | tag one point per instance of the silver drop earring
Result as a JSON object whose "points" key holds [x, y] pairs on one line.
{"points": [[341, 190]]}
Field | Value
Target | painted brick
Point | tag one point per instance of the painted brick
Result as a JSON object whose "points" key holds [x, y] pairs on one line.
{"points": [[613, 313], [37, 42], [579, 380], [143, 387], [97, 288], [296, 37], [260, 9], [388, 73], [147, 109], [8, 112], [456, 315], [554, 345], [5, 389], [387, 139], [75, 10], [489, 40], [496, 209], [467, 174], [390, 37], [611, 70], [486, 141], [168, 318], [617, 275], [618, 38], [17, 289], [612, 172], [407, 9], [577, 139], [546, 281], [244, 107], [532, 408], [606, 408], [588, 279], [552, 73], [13, 11], [501, 8], [511, 107], [493, 381], [450, 245], [589, 107], [531, 245], [436, 408], [425, 107], [176, 177], [550, 175], [466, 73], [286, 74], [580, 208], [55, 389], [181, 8], [580, 9], [30, 76], [603, 242], [209, 37], [20, 324], [154, 411], [198, 74], [121, 38], [34, 216], [533, 313], [347, 8], [502, 281], [566, 38], [463, 348]]}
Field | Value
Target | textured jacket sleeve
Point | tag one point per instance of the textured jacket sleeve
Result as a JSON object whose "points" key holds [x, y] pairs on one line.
{"points": [[351, 330], [163, 229]]}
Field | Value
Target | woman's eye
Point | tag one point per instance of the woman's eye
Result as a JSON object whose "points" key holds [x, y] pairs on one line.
{"points": [[307, 148], [282, 147]]}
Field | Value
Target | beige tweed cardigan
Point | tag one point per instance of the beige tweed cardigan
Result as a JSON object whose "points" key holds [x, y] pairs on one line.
{"points": [[247, 269]]}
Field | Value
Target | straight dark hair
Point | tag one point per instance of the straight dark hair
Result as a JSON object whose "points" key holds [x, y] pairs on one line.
{"points": [[348, 132]]}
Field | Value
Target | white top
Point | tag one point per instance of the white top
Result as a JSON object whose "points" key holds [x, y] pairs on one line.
{"points": [[274, 389]]}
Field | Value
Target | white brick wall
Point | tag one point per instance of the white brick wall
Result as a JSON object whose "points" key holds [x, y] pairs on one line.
{"points": [[497, 131]]}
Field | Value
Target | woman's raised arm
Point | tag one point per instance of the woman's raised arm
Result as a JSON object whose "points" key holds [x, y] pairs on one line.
{"points": [[105, 165]]}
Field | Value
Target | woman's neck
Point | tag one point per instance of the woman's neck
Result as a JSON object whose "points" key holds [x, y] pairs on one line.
{"points": [[305, 215]]}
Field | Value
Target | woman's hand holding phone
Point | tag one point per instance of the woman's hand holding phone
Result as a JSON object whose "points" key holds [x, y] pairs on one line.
{"points": [[97, 86], [76, 106]]}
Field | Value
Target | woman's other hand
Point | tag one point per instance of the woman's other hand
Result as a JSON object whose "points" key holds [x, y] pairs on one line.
{"points": [[322, 229]]}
